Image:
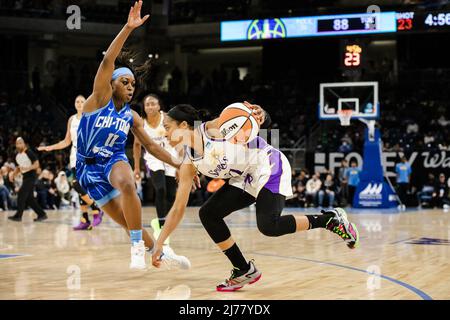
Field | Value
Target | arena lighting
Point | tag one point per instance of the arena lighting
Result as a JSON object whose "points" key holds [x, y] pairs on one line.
{"points": [[335, 25]]}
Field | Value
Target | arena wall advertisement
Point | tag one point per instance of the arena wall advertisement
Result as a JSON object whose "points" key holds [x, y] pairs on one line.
{"points": [[422, 163]]}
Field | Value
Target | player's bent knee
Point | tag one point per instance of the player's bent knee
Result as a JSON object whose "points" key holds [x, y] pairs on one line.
{"points": [[268, 228], [125, 185], [78, 188]]}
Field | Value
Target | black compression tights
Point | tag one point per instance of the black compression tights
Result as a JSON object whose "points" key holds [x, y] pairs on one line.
{"points": [[229, 199], [165, 190]]}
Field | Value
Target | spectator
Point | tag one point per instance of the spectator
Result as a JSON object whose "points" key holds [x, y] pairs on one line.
{"points": [[345, 147], [299, 189], [343, 182], [5, 197], [312, 188], [412, 127], [352, 176], [440, 194], [45, 198], [403, 171], [63, 188], [328, 189], [425, 196]]}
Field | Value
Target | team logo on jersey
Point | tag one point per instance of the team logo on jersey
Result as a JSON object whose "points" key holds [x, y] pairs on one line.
{"points": [[222, 165]]}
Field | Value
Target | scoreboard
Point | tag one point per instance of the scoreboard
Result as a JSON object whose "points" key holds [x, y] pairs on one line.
{"points": [[335, 25], [423, 21]]}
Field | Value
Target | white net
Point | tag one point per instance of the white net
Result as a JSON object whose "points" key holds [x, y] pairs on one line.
{"points": [[345, 116]]}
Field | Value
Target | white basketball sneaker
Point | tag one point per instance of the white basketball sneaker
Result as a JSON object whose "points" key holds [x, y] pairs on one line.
{"points": [[138, 256], [171, 260]]}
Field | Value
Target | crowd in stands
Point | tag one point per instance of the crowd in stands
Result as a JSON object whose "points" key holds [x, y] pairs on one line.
{"points": [[418, 129], [331, 189]]}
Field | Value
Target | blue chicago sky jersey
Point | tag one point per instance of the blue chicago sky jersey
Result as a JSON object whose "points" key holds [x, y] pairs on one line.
{"points": [[103, 132]]}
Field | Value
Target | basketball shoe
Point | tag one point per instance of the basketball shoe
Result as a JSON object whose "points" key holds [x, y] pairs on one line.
{"points": [[138, 256], [340, 225], [97, 218], [83, 225], [240, 278], [171, 260]]}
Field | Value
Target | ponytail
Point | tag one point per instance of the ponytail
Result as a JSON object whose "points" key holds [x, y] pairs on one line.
{"points": [[186, 112]]}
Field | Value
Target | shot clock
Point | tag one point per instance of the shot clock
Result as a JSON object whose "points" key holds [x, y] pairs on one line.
{"points": [[352, 55], [423, 21]]}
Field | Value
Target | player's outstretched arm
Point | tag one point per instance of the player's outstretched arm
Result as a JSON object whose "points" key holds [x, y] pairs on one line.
{"points": [[176, 213], [67, 141], [102, 90], [137, 151], [151, 146]]}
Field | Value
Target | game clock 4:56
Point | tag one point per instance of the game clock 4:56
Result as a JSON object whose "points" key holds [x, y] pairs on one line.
{"points": [[423, 21], [438, 19]]}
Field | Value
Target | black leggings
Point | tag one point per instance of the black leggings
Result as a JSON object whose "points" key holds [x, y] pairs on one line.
{"points": [[165, 190], [229, 199]]}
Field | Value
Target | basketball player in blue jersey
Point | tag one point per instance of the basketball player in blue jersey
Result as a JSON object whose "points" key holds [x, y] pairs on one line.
{"points": [[256, 173], [102, 166]]}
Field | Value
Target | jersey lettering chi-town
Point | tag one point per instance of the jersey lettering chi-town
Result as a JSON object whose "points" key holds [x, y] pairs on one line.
{"points": [[108, 122]]}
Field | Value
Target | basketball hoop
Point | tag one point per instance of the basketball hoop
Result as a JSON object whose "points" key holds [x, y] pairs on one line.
{"points": [[345, 116]]}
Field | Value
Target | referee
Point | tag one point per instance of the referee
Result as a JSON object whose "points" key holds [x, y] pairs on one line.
{"points": [[27, 163]]}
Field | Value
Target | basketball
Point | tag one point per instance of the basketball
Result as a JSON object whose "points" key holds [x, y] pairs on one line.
{"points": [[237, 124]]}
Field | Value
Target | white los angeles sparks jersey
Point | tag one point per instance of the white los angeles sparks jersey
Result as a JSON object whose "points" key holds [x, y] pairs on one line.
{"points": [[158, 135], [74, 124], [250, 167]]}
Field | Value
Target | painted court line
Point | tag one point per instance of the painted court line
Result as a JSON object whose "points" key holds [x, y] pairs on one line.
{"points": [[415, 290], [11, 256]]}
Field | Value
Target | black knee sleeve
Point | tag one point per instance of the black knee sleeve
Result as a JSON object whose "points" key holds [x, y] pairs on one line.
{"points": [[276, 227], [214, 224], [78, 188], [268, 215]]}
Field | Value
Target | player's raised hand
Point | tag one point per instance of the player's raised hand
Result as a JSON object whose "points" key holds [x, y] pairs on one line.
{"points": [[258, 112], [134, 17]]}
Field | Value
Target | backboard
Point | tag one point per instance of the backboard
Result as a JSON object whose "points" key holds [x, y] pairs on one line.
{"points": [[360, 97]]}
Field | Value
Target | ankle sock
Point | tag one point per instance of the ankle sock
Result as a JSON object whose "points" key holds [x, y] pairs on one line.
{"points": [[319, 221], [236, 258], [135, 236]]}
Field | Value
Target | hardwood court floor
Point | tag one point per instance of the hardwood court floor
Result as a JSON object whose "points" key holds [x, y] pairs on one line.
{"points": [[402, 256]]}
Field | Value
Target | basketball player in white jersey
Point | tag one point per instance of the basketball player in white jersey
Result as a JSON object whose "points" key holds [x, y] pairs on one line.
{"points": [[71, 139], [162, 174], [256, 173]]}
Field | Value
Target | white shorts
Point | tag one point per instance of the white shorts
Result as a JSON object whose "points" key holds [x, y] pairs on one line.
{"points": [[155, 165], [273, 173]]}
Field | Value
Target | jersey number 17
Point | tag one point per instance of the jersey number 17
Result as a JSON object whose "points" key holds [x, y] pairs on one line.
{"points": [[111, 139]]}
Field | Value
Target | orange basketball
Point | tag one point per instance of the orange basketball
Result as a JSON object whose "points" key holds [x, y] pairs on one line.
{"points": [[237, 124]]}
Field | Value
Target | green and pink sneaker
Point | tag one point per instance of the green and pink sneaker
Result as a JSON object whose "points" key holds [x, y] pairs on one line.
{"points": [[340, 225]]}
